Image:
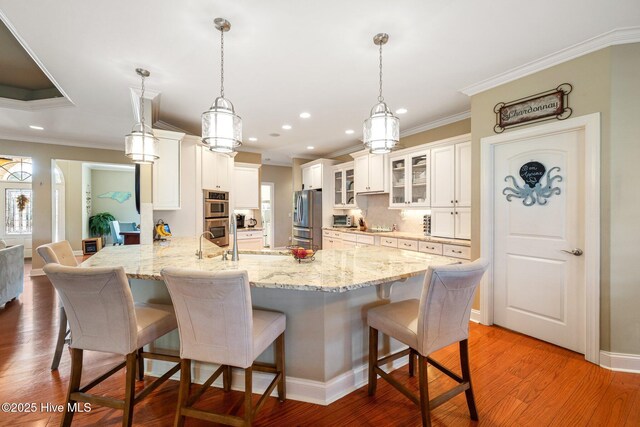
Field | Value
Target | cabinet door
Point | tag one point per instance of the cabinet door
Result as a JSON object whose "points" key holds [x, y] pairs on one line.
{"points": [[246, 188], [224, 170], [337, 243], [347, 244], [377, 172], [397, 195], [327, 242], [316, 177], [361, 166], [462, 228], [463, 174], [209, 172], [166, 175], [418, 179], [338, 188], [307, 183], [442, 176], [442, 222], [349, 187]]}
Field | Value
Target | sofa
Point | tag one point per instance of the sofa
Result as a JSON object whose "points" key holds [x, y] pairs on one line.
{"points": [[11, 273], [117, 227]]}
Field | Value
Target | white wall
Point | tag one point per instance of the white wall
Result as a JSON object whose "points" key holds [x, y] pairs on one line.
{"points": [[105, 181]]}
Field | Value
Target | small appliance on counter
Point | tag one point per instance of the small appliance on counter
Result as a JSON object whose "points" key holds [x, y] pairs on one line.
{"points": [[240, 220], [426, 225], [345, 221], [161, 231], [251, 222]]}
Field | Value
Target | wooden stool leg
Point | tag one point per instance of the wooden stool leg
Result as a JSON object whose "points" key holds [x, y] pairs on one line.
{"points": [[373, 360], [183, 393], [466, 376], [226, 378], [62, 335], [280, 367], [412, 363], [140, 371], [74, 384], [248, 390], [130, 389], [424, 391]]}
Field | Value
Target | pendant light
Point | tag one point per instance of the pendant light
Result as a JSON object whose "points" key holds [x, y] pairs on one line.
{"points": [[221, 126], [381, 131], [141, 145]]}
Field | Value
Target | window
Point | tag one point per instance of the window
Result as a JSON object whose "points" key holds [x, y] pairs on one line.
{"points": [[18, 169], [18, 219]]}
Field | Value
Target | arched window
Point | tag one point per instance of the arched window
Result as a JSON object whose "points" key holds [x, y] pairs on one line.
{"points": [[17, 196], [15, 169]]}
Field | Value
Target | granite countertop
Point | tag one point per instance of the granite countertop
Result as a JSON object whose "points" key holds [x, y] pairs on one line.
{"points": [[333, 270], [403, 235], [250, 229]]}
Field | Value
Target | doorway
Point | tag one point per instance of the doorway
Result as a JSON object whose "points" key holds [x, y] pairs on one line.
{"points": [[16, 201], [540, 220], [267, 192]]}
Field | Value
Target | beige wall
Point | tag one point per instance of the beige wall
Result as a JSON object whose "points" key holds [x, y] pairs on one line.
{"points": [[42, 155], [246, 157], [282, 178], [605, 81], [74, 202], [103, 181], [443, 132], [297, 172]]}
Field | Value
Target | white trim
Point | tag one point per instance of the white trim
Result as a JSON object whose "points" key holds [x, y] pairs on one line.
{"points": [[611, 38], [304, 390], [34, 105], [620, 362], [345, 151], [590, 124], [17, 137], [435, 124], [36, 272], [247, 165], [475, 316]]}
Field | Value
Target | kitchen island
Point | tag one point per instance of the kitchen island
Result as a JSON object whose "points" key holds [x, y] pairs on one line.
{"points": [[325, 301]]}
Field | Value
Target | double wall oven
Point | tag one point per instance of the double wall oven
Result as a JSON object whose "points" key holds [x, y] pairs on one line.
{"points": [[216, 216]]}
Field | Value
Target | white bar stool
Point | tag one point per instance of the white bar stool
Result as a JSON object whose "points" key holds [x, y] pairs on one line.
{"points": [[218, 325], [438, 319], [103, 317]]}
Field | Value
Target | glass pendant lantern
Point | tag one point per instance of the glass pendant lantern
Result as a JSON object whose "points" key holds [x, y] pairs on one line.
{"points": [[221, 126], [381, 130], [141, 145]]}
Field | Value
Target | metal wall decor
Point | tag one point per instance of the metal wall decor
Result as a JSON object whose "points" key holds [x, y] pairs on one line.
{"points": [[534, 190], [542, 106]]}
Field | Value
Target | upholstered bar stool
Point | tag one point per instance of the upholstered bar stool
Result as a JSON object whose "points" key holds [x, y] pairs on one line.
{"points": [[59, 253], [438, 319], [218, 325], [103, 317]]}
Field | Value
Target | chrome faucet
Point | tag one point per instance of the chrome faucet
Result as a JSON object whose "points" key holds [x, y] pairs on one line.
{"points": [[199, 251], [234, 225]]}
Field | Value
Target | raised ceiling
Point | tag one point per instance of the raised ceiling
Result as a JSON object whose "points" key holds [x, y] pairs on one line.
{"points": [[283, 57]]}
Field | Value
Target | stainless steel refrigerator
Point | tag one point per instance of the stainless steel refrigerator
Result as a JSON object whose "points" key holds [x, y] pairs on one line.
{"points": [[307, 219]]}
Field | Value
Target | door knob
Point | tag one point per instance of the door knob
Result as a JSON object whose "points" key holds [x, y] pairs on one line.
{"points": [[575, 252]]}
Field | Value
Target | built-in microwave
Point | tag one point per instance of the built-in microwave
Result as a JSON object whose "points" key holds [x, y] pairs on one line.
{"points": [[342, 221], [216, 204]]}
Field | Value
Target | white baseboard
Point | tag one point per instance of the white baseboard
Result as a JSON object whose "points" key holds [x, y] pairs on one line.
{"points": [[620, 361], [475, 315], [304, 390], [36, 272], [78, 253]]}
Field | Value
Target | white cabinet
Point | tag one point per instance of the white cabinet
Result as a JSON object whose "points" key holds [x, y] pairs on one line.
{"points": [[443, 176], [246, 186], [370, 172], [166, 171], [410, 180], [454, 223], [249, 240], [312, 177], [463, 174], [344, 192], [216, 170], [390, 242], [462, 223]]}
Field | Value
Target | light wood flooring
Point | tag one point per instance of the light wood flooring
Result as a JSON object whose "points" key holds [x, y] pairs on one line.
{"points": [[518, 381]]}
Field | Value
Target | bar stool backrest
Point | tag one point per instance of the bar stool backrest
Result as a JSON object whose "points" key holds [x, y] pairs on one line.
{"points": [[214, 313], [99, 307], [445, 304], [59, 253]]}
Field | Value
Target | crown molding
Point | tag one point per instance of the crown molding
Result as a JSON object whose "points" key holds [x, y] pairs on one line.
{"points": [[345, 151], [36, 104], [611, 38], [54, 141], [436, 124]]}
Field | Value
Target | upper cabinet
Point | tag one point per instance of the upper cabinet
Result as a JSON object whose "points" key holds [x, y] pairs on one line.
{"points": [[246, 186], [410, 180], [451, 175], [344, 191], [315, 174], [166, 171], [370, 172], [216, 170]]}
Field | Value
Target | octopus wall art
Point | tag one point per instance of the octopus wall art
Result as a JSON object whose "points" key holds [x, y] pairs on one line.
{"points": [[533, 191]]}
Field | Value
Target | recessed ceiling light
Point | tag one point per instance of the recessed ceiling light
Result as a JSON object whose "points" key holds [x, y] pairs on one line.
{"points": [[349, 131], [275, 135], [401, 110], [305, 115], [36, 127], [286, 127], [253, 139], [310, 147]]}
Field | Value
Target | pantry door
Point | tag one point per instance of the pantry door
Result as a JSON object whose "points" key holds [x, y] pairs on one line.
{"points": [[540, 194]]}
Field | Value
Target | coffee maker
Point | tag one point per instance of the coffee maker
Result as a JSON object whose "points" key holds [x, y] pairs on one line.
{"points": [[240, 220]]}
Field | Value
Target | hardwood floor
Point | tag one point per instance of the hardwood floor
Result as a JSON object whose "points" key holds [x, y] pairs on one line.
{"points": [[517, 381]]}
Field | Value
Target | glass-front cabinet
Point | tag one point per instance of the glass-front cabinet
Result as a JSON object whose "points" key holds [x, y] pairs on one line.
{"points": [[344, 194], [410, 180]]}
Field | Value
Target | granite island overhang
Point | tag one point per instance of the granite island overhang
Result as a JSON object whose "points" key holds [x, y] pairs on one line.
{"points": [[325, 301]]}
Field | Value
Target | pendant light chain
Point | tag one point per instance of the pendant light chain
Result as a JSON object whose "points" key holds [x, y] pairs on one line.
{"points": [[380, 97], [142, 106], [222, 63]]}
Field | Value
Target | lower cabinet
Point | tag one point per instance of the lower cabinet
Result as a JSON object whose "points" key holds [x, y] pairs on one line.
{"points": [[454, 223], [249, 240]]}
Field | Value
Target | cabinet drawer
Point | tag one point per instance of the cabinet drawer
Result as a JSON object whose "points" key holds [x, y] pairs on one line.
{"points": [[250, 244], [410, 245], [430, 248], [326, 233], [389, 241], [365, 240], [348, 237], [456, 251], [245, 235], [336, 234]]}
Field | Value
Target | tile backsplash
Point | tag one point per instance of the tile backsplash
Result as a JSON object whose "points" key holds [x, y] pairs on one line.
{"points": [[375, 210]]}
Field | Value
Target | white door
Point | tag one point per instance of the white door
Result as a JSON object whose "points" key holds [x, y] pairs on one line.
{"points": [[224, 165], [361, 166], [442, 176], [316, 176], [307, 179], [377, 172], [538, 287]]}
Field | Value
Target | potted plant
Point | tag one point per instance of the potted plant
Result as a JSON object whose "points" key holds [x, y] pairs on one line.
{"points": [[99, 225]]}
